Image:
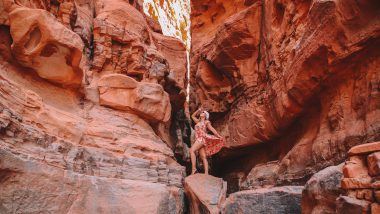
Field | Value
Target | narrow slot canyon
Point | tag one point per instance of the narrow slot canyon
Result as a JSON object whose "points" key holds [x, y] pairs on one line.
{"points": [[97, 98]]}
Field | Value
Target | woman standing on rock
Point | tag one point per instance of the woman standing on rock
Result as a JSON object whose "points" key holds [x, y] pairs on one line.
{"points": [[205, 143]]}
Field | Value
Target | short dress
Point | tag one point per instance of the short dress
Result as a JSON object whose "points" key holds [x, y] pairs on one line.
{"points": [[212, 144]]}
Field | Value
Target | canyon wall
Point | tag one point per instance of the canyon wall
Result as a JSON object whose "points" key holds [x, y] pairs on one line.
{"points": [[292, 85], [87, 93]]}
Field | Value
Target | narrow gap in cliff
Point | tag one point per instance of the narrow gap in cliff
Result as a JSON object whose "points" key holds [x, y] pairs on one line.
{"points": [[174, 19]]}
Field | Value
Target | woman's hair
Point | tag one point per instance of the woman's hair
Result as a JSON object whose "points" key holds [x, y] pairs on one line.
{"points": [[207, 115]]}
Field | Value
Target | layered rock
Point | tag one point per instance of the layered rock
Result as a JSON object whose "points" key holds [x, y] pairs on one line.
{"points": [[55, 190], [79, 120], [360, 180], [292, 81]]}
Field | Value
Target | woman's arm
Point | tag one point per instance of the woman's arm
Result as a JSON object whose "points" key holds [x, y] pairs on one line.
{"points": [[193, 116], [209, 126]]}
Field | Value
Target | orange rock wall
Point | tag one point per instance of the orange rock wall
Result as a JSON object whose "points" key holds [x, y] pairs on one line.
{"points": [[294, 82], [85, 89]]}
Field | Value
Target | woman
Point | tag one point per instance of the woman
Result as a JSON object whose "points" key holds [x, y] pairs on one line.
{"points": [[205, 143]]}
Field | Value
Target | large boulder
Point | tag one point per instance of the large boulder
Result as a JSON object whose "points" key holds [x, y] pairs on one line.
{"points": [[148, 100], [276, 200], [42, 43], [206, 193], [321, 191]]}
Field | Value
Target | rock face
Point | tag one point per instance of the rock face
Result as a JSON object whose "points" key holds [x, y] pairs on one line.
{"points": [[44, 44], [321, 191], [286, 199], [288, 81], [54, 190], [206, 193], [85, 87], [148, 100]]}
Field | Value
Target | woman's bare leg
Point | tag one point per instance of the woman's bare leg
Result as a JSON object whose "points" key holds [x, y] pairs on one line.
{"points": [[197, 145], [202, 153]]}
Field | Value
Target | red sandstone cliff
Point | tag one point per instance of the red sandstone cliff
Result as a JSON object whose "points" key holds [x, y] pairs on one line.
{"points": [[291, 84], [87, 89]]}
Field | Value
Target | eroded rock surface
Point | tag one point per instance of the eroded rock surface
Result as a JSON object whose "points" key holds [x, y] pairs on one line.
{"points": [[149, 100], [288, 81], [56, 190], [41, 42], [84, 90]]}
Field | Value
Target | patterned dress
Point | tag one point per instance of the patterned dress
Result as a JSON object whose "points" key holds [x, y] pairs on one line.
{"points": [[211, 143]]}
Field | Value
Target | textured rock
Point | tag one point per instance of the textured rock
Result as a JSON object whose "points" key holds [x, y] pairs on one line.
{"points": [[377, 195], [347, 205], [355, 167], [294, 81], [206, 193], [363, 194], [373, 161], [175, 53], [364, 149], [61, 151], [148, 100], [262, 175], [375, 208], [93, 140], [55, 190], [42, 43], [285, 199], [321, 191], [125, 44], [356, 183]]}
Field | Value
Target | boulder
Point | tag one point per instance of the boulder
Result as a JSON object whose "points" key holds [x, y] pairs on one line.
{"points": [[206, 193], [148, 100], [321, 191], [276, 200], [44, 44]]}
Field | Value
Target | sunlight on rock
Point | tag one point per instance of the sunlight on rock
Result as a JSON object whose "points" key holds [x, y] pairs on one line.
{"points": [[173, 16]]}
